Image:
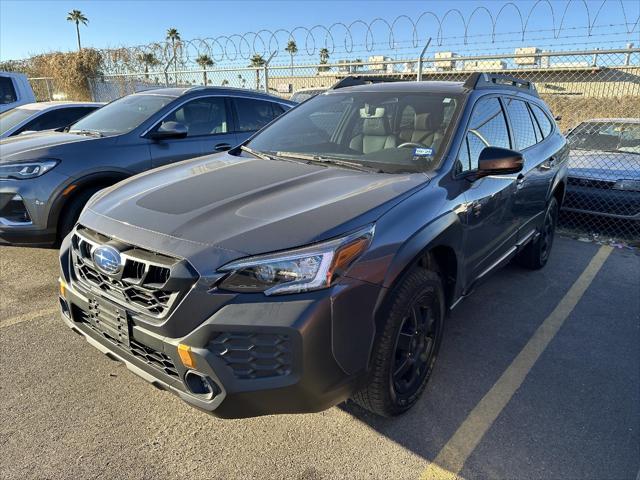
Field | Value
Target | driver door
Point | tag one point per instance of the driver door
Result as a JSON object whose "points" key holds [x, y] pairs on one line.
{"points": [[490, 225], [207, 121]]}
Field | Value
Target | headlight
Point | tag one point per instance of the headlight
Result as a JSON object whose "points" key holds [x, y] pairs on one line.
{"points": [[26, 170], [299, 270], [631, 185]]}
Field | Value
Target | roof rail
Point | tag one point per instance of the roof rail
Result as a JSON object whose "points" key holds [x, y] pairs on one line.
{"points": [[353, 80], [484, 80]]}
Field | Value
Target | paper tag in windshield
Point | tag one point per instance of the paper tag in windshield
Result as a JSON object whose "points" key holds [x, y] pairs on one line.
{"points": [[422, 153]]}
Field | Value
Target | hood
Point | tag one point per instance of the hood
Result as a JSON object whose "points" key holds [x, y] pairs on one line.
{"points": [[241, 205], [39, 145], [604, 165]]}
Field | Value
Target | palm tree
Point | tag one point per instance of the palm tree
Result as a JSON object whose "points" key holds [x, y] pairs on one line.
{"points": [[324, 58], [77, 17], [204, 61], [257, 62], [291, 49], [174, 36], [148, 60]]}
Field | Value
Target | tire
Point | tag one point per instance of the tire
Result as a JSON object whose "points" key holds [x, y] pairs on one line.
{"points": [[536, 254], [386, 392], [71, 211]]}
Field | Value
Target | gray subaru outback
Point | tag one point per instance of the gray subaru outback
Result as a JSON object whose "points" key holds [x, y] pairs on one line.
{"points": [[316, 262]]}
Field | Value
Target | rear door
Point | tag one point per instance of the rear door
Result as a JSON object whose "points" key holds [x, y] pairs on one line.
{"points": [[207, 121], [534, 181], [252, 114], [490, 225]]}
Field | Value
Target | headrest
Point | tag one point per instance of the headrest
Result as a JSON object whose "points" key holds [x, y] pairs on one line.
{"points": [[422, 121], [369, 111], [374, 126]]}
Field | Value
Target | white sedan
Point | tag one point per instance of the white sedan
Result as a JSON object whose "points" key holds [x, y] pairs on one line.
{"points": [[35, 117]]}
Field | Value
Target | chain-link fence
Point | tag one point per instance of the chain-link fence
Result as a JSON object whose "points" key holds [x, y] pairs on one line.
{"points": [[43, 88], [595, 95]]}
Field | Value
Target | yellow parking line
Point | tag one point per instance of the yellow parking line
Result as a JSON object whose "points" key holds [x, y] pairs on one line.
{"points": [[28, 316], [450, 460]]}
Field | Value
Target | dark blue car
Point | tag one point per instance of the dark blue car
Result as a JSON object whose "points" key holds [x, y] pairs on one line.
{"points": [[46, 178]]}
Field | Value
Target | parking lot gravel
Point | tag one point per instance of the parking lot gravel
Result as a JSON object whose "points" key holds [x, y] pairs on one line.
{"points": [[70, 412]]}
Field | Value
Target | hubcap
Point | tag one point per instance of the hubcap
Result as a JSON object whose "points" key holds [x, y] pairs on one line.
{"points": [[415, 348]]}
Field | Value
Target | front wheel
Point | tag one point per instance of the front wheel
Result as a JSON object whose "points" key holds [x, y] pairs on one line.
{"points": [[405, 351], [536, 254]]}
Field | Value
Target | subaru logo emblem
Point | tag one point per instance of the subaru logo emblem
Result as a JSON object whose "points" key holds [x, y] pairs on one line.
{"points": [[107, 259]]}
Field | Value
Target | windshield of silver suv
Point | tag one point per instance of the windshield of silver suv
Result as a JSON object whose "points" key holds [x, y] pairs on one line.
{"points": [[121, 116], [389, 131]]}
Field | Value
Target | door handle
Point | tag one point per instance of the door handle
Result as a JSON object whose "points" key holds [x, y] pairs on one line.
{"points": [[548, 165], [222, 147], [520, 181]]}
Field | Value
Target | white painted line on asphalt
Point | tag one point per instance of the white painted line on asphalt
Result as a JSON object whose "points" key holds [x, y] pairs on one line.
{"points": [[28, 316], [450, 460]]}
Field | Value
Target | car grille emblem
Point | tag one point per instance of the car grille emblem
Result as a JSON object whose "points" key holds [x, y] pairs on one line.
{"points": [[107, 259]]}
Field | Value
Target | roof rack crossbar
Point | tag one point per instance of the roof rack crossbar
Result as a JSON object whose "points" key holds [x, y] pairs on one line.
{"points": [[481, 79]]}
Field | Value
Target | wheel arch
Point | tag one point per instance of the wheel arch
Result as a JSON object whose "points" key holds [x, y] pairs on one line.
{"points": [[438, 247], [78, 187]]}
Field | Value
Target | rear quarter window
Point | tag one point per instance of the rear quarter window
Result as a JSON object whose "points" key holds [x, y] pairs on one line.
{"points": [[543, 120]]}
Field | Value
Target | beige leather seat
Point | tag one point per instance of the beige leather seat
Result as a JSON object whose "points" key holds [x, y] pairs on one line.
{"points": [[374, 137], [426, 130]]}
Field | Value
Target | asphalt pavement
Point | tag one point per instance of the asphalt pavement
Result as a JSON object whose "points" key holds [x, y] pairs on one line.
{"points": [[538, 377]]}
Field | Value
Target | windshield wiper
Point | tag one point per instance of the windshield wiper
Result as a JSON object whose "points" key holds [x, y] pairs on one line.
{"points": [[93, 133], [255, 153], [318, 159]]}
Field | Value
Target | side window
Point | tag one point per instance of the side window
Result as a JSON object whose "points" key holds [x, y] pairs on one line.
{"points": [[202, 116], [543, 120], [277, 110], [521, 122], [7, 91], [46, 121], [487, 127], [253, 114]]}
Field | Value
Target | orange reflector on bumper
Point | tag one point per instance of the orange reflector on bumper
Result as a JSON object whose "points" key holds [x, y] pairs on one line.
{"points": [[63, 288], [185, 356]]}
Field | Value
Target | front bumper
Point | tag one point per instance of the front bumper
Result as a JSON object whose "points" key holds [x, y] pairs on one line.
{"points": [[593, 198], [291, 354], [25, 207]]}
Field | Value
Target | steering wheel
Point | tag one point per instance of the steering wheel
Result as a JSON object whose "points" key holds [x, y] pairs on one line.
{"points": [[412, 144]]}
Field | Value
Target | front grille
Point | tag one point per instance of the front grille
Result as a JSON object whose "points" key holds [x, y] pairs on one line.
{"points": [[148, 282], [150, 356], [254, 355], [587, 182]]}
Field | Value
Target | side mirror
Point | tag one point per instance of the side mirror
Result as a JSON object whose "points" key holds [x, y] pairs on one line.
{"points": [[499, 161], [169, 130]]}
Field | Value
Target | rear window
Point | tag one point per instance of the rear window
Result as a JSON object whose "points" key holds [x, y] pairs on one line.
{"points": [[254, 114], [521, 122], [7, 91], [543, 120]]}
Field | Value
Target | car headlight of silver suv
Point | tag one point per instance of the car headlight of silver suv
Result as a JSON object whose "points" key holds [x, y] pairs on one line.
{"points": [[301, 270], [26, 170]]}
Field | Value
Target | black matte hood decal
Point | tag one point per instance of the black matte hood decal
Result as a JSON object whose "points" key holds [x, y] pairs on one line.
{"points": [[244, 205]]}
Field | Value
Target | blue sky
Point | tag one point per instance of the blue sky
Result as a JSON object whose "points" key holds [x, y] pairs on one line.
{"points": [[28, 27]]}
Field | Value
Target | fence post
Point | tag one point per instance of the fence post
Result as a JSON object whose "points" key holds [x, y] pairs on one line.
{"points": [[266, 72], [47, 81], [424, 50]]}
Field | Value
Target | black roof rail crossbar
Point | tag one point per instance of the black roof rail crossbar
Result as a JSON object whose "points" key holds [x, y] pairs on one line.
{"points": [[482, 79], [354, 80]]}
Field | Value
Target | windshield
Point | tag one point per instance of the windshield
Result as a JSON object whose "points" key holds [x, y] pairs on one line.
{"points": [[606, 136], [390, 131], [121, 116], [14, 117]]}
